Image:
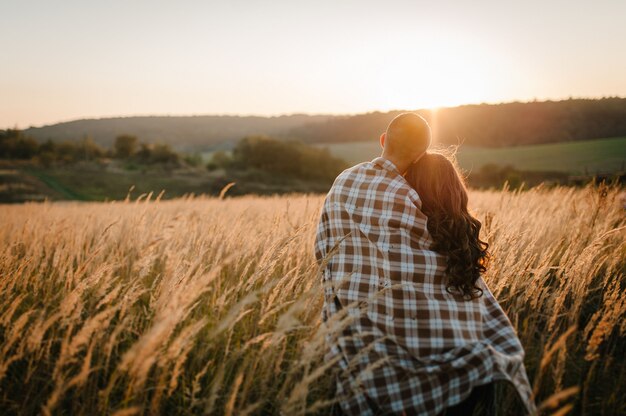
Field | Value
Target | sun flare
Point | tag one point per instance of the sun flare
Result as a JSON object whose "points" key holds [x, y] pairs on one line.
{"points": [[440, 72]]}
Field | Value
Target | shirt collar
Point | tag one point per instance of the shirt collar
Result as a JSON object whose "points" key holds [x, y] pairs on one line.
{"points": [[386, 164]]}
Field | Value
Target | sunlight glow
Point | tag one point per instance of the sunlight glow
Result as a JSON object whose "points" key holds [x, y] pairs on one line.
{"points": [[441, 72]]}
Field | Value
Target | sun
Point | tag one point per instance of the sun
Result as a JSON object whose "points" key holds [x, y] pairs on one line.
{"points": [[440, 72]]}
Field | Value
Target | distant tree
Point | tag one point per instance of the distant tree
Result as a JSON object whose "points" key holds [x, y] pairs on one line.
{"points": [[163, 153], [67, 151], [194, 159], [318, 163], [7, 144], [47, 153], [266, 154], [288, 158], [46, 159], [15, 145], [26, 148], [125, 146], [87, 149], [48, 146], [144, 154], [150, 153], [220, 160]]}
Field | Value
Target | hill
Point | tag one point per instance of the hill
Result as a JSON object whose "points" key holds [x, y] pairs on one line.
{"points": [[486, 125], [182, 132]]}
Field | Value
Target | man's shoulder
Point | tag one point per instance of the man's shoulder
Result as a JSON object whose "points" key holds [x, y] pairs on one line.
{"points": [[357, 173], [370, 176], [356, 169], [362, 172]]}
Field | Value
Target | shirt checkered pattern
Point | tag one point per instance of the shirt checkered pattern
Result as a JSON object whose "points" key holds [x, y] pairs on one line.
{"points": [[403, 343]]}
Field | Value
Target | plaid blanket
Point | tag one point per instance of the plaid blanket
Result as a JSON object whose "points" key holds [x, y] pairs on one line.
{"points": [[403, 343]]}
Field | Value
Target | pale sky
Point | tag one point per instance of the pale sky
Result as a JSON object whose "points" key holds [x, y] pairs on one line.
{"points": [[65, 60]]}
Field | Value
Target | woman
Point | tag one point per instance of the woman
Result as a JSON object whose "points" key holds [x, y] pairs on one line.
{"points": [[454, 230], [456, 235]]}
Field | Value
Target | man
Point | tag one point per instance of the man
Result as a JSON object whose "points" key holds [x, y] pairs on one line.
{"points": [[401, 343]]}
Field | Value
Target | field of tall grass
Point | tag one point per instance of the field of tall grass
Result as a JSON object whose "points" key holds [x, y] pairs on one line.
{"points": [[212, 306]]}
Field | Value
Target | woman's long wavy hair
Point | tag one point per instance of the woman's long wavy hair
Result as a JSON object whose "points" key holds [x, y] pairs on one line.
{"points": [[454, 230]]}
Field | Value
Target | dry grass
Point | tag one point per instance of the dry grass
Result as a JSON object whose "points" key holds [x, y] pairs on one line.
{"points": [[209, 306]]}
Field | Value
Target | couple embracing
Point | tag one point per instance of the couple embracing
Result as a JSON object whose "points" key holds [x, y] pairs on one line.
{"points": [[409, 320]]}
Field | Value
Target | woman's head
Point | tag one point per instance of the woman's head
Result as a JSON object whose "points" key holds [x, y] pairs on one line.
{"points": [[439, 184], [454, 230]]}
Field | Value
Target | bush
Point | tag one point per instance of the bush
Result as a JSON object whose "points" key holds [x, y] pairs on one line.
{"points": [[14, 145], [125, 146], [163, 153], [220, 160], [149, 153], [290, 158], [193, 159]]}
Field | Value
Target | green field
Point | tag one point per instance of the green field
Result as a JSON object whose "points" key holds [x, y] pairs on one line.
{"points": [[592, 156]]}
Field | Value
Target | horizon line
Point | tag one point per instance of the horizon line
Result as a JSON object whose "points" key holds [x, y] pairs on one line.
{"points": [[311, 114]]}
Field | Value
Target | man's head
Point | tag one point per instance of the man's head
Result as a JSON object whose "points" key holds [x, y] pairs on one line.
{"points": [[406, 139]]}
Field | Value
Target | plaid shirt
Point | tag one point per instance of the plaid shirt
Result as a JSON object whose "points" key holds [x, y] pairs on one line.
{"points": [[402, 341]]}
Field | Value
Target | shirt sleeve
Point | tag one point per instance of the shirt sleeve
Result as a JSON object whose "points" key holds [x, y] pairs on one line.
{"points": [[321, 237]]}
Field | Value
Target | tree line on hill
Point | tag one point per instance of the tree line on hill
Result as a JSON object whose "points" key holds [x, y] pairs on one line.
{"points": [[275, 158], [500, 125], [16, 145], [489, 125]]}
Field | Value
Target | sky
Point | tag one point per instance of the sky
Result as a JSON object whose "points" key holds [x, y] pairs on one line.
{"points": [[67, 60]]}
